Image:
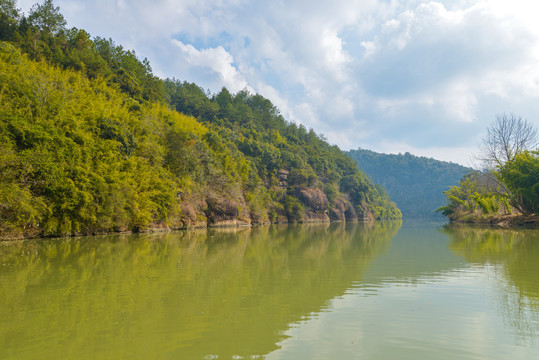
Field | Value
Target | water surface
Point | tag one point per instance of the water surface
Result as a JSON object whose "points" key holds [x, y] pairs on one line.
{"points": [[339, 291]]}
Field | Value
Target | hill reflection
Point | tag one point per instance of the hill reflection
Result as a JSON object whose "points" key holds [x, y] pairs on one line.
{"points": [[182, 295]]}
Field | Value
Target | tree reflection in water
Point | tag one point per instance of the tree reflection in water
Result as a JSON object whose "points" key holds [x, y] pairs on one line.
{"points": [[184, 295], [514, 255]]}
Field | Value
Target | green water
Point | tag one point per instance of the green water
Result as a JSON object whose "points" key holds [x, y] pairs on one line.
{"points": [[356, 291]]}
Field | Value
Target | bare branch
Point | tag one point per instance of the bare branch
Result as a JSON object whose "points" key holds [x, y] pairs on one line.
{"points": [[507, 136]]}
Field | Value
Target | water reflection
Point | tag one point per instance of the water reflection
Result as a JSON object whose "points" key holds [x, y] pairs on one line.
{"points": [[513, 255], [418, 254], [184, 295], [429, 302]]}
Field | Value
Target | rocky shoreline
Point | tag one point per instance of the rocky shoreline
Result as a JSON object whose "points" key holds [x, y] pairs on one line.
{"points": [[163, 228], [214, 212]]}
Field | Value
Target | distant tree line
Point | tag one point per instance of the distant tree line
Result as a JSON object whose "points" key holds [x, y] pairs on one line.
{"points": [[415, 183]]}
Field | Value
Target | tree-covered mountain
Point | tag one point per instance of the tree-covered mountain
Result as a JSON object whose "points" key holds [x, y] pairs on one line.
{"points": [[91, 141], [416, 184]]}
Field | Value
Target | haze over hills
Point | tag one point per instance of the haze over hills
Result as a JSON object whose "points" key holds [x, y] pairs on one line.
{"points": [[416, 184]]}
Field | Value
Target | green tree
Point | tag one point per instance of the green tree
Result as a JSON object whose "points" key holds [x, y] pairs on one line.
{"points": [[47, 17], [461, 197], [521, 176], [9, 16], [476, 193]]}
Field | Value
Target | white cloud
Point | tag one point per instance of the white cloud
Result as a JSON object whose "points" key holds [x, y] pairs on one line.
{"points": [[335, 58], [216, 59], [459, 101], [422, 74]]}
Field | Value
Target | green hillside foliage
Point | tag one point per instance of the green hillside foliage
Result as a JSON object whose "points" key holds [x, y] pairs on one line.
{"points": [[270, 143], [416, 184], [78, 156], [91, 141]]}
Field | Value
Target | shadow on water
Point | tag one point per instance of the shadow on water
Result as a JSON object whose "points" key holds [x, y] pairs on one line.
{"points": [[184, 295], [514, 255]]}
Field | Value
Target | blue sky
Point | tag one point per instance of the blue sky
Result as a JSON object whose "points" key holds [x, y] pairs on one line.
{"points": [[425, 77]]}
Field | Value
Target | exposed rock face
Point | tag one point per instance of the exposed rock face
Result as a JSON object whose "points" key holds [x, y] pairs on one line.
{"points": [[192, 213], [311, 216], [342, 211], [215, 210], [189, 215], [220, 210], [283, 174], [280, 219], [337, 214], [316, 204], [314, 199], [350, 213]]}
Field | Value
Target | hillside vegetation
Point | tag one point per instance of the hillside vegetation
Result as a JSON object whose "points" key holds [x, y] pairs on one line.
{"points": [[507, 192], [416, 184], [91, 141], [507, 196]]}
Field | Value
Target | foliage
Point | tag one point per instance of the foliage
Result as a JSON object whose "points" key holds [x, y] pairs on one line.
{"points": [[521, 176], [461, 196], [89, 142], [514, 185], [46, 17], [74, 153], [477, 193], [256, 129]]}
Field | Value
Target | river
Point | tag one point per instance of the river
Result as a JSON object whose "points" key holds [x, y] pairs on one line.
{"points": [[382, 290]]}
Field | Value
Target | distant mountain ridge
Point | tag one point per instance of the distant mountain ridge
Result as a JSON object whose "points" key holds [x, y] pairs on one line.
{"points": [[416, 184]]}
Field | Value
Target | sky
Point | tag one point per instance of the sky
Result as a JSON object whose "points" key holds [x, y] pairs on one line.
{"points": [[393, 76]]}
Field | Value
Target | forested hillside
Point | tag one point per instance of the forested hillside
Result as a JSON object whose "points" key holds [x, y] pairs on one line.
{"points": [[91, 141], [416, 184]]}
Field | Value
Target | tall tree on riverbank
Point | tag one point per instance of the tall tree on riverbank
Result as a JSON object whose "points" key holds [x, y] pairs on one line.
{"points": [[521, 176], [511, 185]]}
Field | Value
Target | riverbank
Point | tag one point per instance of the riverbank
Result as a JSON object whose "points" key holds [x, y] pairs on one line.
{"points": [[164, 228], [502, 221]]}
